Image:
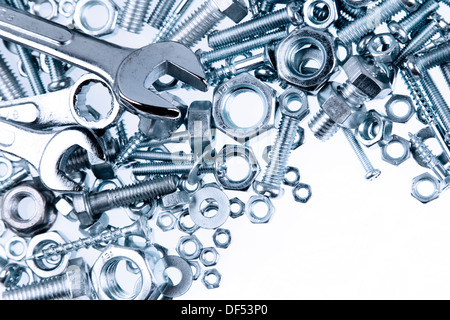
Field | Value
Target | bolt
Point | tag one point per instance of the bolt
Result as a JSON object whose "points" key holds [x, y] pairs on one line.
{"points": [[58, 79], [10, 87], [445, 68], [257, 27], [72, 284], [437, 24], [162, 156], [144, 169], [128, 149], [253, 7], [412, 22], [134, 14], [382, 13], [121, 134], [430, 59], [13, 180], [222, 53], [294, 107], [177, 137], [161, 11], [347, 14], [371, 172], [204, 19]]}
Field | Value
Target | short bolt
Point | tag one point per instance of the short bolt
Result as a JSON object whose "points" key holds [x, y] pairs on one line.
{"points": [[257, 26], [10, 87], [382, 13], [134, 14], [371, 172], [161, 11], [58, 79]]}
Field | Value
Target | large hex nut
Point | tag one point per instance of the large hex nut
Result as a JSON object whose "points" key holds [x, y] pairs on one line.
{"points": [[302, 46], [425, 198], [396, 160], [227, 91], [80, 21], [233, 9], [322, 21], [374, 129], [384, 48]]}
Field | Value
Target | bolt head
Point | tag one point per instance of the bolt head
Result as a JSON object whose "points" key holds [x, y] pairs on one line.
{"points": [[411, 5], [233, 9], [60, 84], [266, 189], [77, 274], [294, 9]]}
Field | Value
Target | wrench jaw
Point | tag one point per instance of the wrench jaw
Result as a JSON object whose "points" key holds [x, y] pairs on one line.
{"points": [[143, 67], [56, 154]]}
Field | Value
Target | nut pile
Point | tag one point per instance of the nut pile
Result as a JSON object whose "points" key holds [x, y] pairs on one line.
{"points": [[96, 173]]}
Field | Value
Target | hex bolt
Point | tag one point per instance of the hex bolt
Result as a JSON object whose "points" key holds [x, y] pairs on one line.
{"points": [[222, 53], [294, 107], [172, 20], [412, 22], [382, 13], [437, 24], [203, 20], [10, 87], [58, 78], [13, 180], [257, 27], [72, 284], [371, 172], [134, 14], [429, 59], [161, 11], [169, 168]]}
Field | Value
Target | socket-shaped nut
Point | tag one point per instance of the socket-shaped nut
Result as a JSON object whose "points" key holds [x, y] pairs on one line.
{"points": [[367, 77], [374, 129], [233, 9], [384, 48], [429, 196]]}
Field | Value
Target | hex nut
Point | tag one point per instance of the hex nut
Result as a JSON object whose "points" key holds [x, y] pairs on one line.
{"points": [[191, 254], [209, 256], [302, 198], [211, 273], [393, 115], [166, 221], [384, 48], [396, 160], [80, 22], [294, 103], [196, 269], [289, 181], [64, 207], [233, 9], [312, 20], [182, 226], [218, 242], [374, 129], [256, 217], [426, 177], [237, 213]]}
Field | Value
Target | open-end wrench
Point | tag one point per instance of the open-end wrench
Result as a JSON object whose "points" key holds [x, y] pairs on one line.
{"points": [[131, 73], [47, 151], [59, 108]]}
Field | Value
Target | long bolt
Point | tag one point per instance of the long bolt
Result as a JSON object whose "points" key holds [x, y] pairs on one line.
{"points": [[169, 168], [58, 78], [430, 59], [172, 20], [257, 26], [198, 25], [371, 172], [134, 14], [382, 13], [177, 137], [445, 68], [162, 156], [161, 11], [222, 53], [10, 87]]}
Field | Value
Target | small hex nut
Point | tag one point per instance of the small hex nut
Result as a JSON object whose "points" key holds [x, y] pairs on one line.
{"points": [[166, 221], [218, 242], [236, 202], [300, 197], [426, 177], [208, 276], [374, 129], [255, 217], [289, 181], [396, 160], [209, 257], [191, 254], [384, 48], [294, 103], [182, 226], [80, 22], [233, 9], [196, 269], [391, 112]]}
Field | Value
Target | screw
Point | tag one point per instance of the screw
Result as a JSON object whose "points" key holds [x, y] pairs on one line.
{"points": [[121, 134], [445, 68], [177, 137], [72, 284], [429, 59], [347, 14], [257, 26], [10, 87], [371, 172], [169, 168], [128, 149], [58, 79], [162, 156], [364, 25], [202, 21], [14, 179], [161, 11], [134, 14], [222, 53], [291, 115], [402, 29]]}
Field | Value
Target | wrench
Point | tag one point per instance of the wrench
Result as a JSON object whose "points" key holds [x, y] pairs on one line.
{"points": [[131, 73], [59, 108], [47, 151]]}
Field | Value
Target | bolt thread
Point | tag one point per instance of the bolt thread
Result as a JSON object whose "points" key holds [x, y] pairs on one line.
{"points": [[131, 146], [416, 91], [257, 26], [434, 57], [52, 288], [266, 6], [281, 149], [172, 20], [421, 150], [359, 152], [124, 196], [364, 25], [322, 126], [168, 168], [10, 87], [14, 179], [222, 53], [79, 159], [121, 133], [197, 25], [161, 11], [416, 20], [134, 14], [55, 68], [162, 156], [352, 94]]}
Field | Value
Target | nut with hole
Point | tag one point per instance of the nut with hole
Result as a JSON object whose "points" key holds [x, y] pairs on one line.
{"points": [[209, 257], [387, 154], [189, 247]]}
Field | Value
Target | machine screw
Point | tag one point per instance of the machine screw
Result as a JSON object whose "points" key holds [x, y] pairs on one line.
{"points": [[161, 11], [14, 179], [402, 29], [10, 87], [58, 79], [429, 59], [169, 168], [371, 172], [72, 284], [201, 22], [382, 13], [172, 20], [162, 156], [134, 15], [257, 26]]}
